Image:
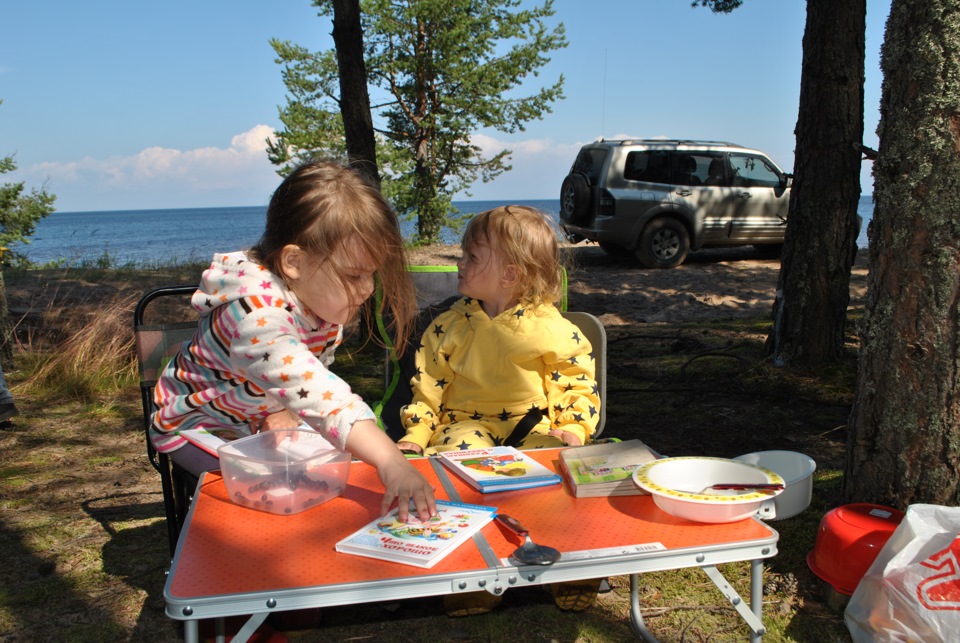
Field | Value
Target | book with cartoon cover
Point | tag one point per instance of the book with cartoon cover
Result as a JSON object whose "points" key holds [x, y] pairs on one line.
{"points": [[498, 469], [416, 542], [604, 469]]}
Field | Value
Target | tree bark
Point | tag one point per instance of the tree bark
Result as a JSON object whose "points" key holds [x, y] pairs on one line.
{"points": [[810, 308], [904, 440], [354, 97], [6, 329]]}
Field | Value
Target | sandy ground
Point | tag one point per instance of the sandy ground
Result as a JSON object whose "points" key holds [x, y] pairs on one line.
{"points": [[711, 284]]}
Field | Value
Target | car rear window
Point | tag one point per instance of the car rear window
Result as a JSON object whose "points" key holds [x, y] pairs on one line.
{"points": [[589, 163]]}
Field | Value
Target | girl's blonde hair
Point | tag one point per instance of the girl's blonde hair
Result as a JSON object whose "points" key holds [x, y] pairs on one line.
{"points": [[526, 238], [323, 206]]}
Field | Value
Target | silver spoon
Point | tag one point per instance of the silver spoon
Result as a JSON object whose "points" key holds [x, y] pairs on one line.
{"points": [[529, 553]]}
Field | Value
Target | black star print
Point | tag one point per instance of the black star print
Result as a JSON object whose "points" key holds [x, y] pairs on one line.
{"points": [[533, 407], [208, 303], [415, 419], [576, 337], [303, 393], [437, 330], [519, 313], [568, 387], [555, 376], [266, 357], [558, 408], [453, 417], [593, 411], [478, 434], [463, 446], [578, 417], [596, 390], [573, 360], [497, 441], [504, 416], [476, 415], [442, 383]]}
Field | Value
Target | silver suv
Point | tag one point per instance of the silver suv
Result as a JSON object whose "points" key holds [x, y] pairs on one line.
{"points": [[659, 199]]}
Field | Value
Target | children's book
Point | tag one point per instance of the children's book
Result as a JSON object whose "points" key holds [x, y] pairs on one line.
{"points": [[211, 439], [416, 542], [604, 469], [498, 469]]}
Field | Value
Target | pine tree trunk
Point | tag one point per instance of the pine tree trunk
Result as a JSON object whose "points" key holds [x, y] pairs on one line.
{"points": [[354, 97], [810, 309], [904, 441], [6, 330]]}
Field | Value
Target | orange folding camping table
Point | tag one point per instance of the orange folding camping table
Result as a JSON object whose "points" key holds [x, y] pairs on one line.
{"points": [[232, 560]]}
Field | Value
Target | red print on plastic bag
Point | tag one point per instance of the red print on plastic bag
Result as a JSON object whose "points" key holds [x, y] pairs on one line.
{"points": [[942, 591]]}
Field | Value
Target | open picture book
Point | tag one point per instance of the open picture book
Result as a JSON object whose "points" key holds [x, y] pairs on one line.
{"points": [[416, 542]]}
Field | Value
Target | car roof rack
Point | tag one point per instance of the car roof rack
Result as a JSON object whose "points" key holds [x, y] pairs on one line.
{"points": [[666, 141]]}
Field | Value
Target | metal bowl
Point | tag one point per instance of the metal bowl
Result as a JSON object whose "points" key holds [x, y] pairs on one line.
{"points": [[679, 486], [796, 469]]}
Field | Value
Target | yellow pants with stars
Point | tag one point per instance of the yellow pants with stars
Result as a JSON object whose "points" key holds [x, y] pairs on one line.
{"points": [[488, 432]]}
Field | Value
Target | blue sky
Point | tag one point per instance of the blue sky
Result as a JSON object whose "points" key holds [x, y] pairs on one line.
{"points": [[116, 105]]}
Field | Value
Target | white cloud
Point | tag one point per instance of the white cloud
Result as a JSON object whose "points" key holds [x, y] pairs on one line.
{"points": [[239, 174], [539, 166]]}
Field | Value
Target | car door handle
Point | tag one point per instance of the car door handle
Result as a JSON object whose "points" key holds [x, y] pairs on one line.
{"points": [[684, 192]]}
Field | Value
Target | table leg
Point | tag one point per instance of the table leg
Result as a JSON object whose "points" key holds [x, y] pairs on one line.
{"points": [[756, 595], [191, 631], [636, 616]]}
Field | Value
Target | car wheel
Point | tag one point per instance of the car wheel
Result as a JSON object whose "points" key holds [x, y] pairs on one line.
{"points": [[574, 198], [613, 249], [664, 243]]}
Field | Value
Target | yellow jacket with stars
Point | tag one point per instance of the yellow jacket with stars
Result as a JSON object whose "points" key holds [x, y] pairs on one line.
{"points": [[471, 366]]}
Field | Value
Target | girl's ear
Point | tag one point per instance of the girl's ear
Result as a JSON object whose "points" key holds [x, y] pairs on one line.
{"points": [[291, 260], [510, 276]]}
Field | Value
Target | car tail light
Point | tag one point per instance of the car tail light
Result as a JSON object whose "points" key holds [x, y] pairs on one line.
{"points": [[605, 203]]}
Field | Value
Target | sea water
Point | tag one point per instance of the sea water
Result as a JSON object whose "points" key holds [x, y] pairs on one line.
{"points": [[158, 237]]}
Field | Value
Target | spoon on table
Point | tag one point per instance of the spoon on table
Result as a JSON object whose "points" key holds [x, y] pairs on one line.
{"points": [[529, 553], [741, 486]]}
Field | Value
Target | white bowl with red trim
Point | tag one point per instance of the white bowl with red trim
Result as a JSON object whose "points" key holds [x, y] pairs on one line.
{"points": [[679, 486]]}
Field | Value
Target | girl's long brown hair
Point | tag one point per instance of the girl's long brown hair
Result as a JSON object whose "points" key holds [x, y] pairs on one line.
{"points": [[323, 206]]}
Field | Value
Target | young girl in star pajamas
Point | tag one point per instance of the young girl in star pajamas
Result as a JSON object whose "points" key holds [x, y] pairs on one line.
{"points": [[504, 351], [271, 318]]}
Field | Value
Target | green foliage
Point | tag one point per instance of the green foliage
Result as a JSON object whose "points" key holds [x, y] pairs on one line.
{"points": [[19, 213], [718, 6], [440, 71]]}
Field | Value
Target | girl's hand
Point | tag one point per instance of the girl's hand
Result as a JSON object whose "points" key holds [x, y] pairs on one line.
{"points": [[401, 480], [409, 446], [279, 420], [568, 438]]}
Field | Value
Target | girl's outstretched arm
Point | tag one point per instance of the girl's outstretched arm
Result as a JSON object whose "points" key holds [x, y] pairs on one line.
{"points": [[401, 481]]}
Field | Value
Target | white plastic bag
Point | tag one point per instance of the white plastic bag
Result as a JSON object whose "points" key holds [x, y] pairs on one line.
{"points": [[911, 592]]}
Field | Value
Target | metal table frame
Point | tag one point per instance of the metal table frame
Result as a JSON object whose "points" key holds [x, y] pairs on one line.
{"points": [[220, 571]]}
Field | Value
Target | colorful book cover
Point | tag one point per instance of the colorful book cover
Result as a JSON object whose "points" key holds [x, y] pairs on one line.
{"points": [[498, 469], [605, 469], [416, 542]]}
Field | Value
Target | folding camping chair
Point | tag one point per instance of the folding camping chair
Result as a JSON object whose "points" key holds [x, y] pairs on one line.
{"points": [[436, 288], [171, 322]]}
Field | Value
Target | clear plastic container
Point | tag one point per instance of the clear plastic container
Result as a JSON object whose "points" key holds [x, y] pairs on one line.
{"points": [[283, 472]]}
